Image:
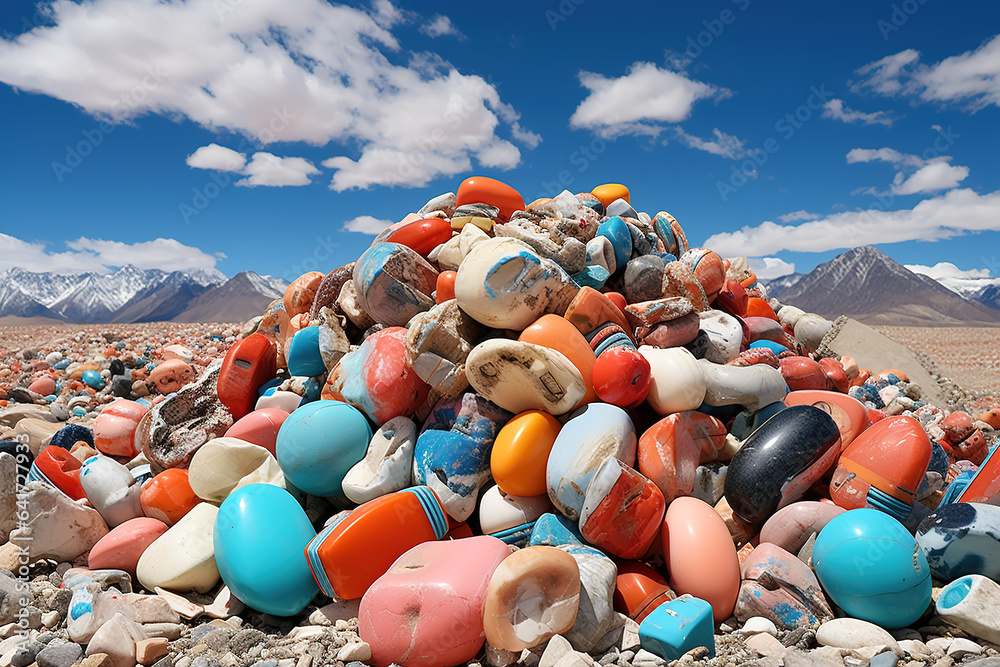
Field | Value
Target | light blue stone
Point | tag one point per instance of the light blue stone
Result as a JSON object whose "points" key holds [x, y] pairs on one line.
{"points": [[260, 537], [677, 626], [870, 565], [319, 442], [592, 434], [93, 379], [303, 353], [961, 539], [615, 230], [592, 276]]}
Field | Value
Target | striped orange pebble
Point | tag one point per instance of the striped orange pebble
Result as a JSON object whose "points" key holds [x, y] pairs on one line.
{"points": [[679, 280], [754, 356], [708, 268]]}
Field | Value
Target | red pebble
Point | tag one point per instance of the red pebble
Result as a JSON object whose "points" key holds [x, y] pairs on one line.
{"points": [[621, 376], [802, 373], [957, 427], [618, 299], [973, 448], [875, 415], [835, 375], [732, 299], [757, 307]]}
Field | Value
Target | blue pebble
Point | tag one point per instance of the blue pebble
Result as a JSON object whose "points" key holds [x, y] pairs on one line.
{"points": [[677, 626], [93, 380], [304, 357], [615, 230], [70, 434]]}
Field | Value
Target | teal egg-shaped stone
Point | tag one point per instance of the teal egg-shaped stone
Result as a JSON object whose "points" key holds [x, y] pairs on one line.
{"points": [[616, 231], [871, 566], [260, 537], [93, 379], [303, 353], [319, 443]]}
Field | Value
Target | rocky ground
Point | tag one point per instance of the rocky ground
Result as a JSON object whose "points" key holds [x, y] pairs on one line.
{"points": [[326, 633]]}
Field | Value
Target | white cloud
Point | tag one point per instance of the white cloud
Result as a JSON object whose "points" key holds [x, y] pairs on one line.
{"points": [[85, 254], [441, 26], [268, 169], [931, 175], [931, 178], [220, 158], [366, 224], [639, 101], [889, 155], [301, 70], [953, 213], [724, 145], [972, 77], [795, 216], [769, 268], [947, 270], [837, 110], [965, 282]]}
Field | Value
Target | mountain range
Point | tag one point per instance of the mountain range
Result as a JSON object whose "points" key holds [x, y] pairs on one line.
{"points": [[868, 285], [131, 295]]}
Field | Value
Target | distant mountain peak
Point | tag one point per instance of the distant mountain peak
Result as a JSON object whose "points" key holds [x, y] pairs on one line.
{"points": [[867, 284], [131, 294]]}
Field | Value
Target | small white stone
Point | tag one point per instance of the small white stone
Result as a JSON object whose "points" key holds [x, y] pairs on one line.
{"points": [[940, 644], [915, 648], [854, 633], [360, 651], [758, 624], [962, 647], [555, 649], [767, 645], [50, 619]]}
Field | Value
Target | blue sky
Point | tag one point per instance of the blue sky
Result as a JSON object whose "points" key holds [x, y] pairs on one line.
{"points": [[248, 134]]}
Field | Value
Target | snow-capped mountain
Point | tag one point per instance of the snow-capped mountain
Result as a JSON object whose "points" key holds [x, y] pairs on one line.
{"points": [[867, 284], [129, 294]]}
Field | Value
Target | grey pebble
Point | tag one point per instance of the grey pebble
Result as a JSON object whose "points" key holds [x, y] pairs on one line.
{"points": [[59, 655], [884, 659]]}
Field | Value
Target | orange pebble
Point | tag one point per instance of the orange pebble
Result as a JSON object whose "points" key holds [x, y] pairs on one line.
{"points": [[521, 452], [757, 307], [445, 287], [168, 496]]}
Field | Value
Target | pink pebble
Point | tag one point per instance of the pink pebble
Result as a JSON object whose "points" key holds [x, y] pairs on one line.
{"points": [[790, 527], [260, 427], [114, 428], [121, 548], [43, 386], [427, 610]]}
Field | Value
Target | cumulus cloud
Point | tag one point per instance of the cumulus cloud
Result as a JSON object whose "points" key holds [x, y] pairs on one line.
{"points": [[769, 268], [724, 145], [931, 178], [219, 158], [97, 255], [971, 78], [954, 213], [889, 155], [611, 108], [795, 216], [947, 270], [931, 175], [441, 26], [837, 110], [268, 169], [366, 224], [963, 281], [304, 70]]}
